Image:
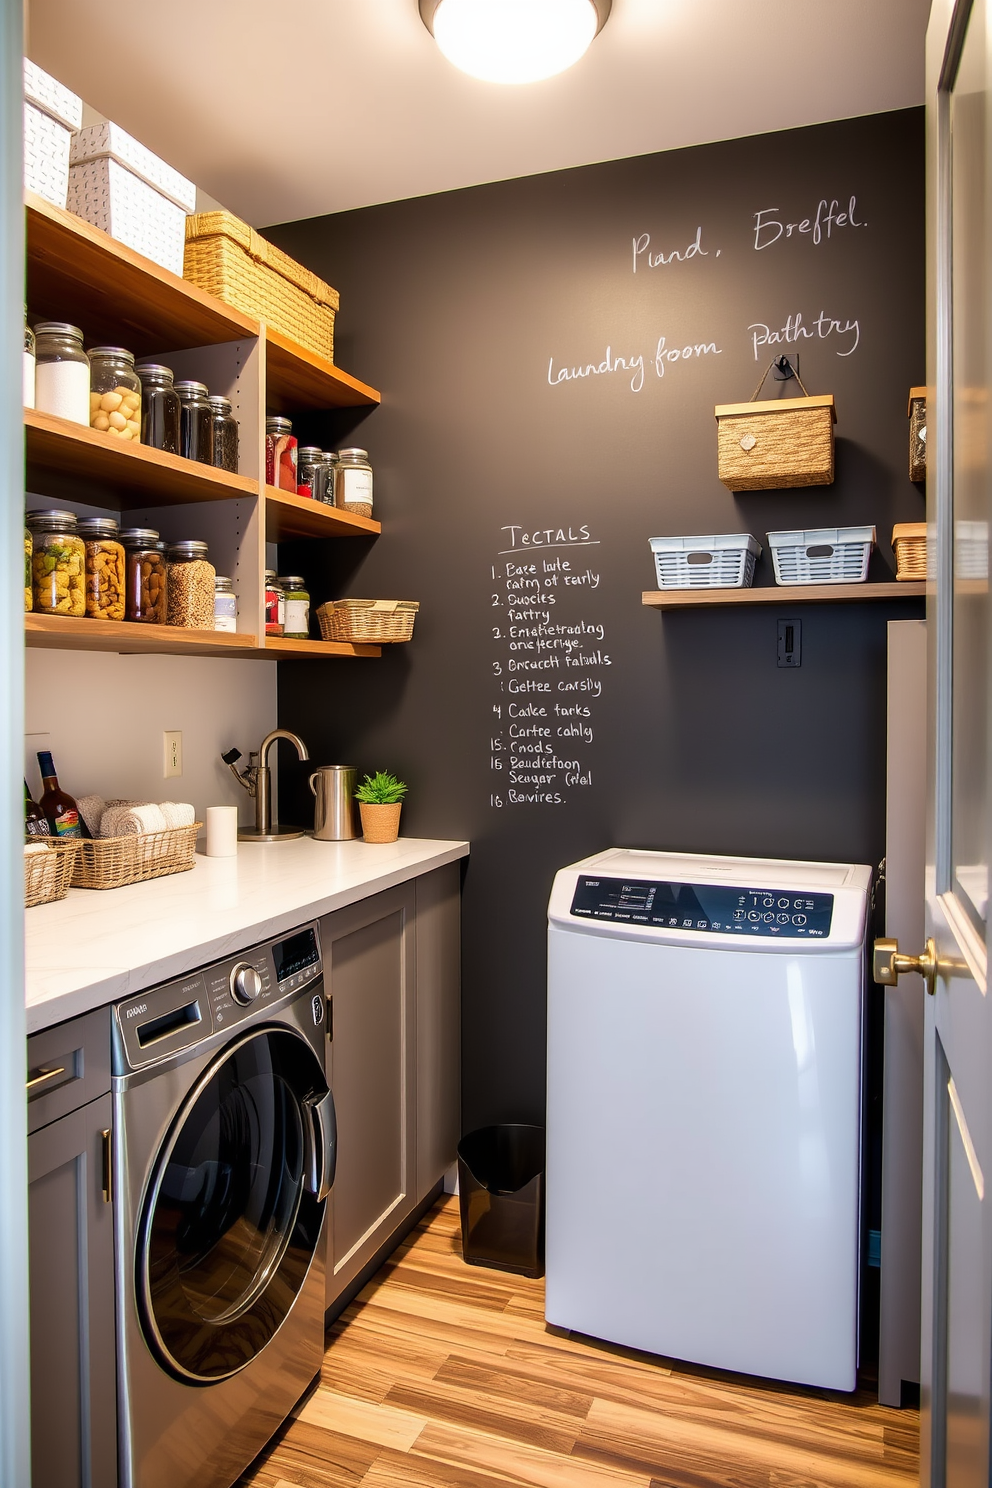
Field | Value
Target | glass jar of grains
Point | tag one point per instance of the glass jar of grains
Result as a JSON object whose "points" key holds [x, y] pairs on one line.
{"points": [[225, 604], [62, 371], [225, 434], [105, 579], [280, 454], [58, 564], [297, 621], [353, 482], [159, 407], [190, 585], [196, 423], [115, 393], [28, 552], [311, 473], [275, 604], [145, 586]]}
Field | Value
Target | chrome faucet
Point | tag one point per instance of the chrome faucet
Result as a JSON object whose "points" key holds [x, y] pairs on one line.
{"points": [[257, 781]]}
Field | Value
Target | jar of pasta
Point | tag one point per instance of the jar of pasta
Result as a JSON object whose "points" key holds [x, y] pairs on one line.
{"points": [[58, 564], [190, 584], [104, 568], [145, 586], [115, 393]]}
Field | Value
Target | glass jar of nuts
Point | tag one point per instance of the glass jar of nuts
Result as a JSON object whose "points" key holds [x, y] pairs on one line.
{"points": [[104, 568], [190, 585], [145, 586], [58, 564], [115, 393]]}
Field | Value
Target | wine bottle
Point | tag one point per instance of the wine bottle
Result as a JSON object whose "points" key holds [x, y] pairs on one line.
{"points": [[35, 820], [59, 807]]}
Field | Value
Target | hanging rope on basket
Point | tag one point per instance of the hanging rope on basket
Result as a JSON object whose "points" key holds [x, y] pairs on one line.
{"points": [[777, 362]]}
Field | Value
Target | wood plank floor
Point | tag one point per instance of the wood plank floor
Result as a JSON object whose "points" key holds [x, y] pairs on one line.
{"points": [[441, 1375]]}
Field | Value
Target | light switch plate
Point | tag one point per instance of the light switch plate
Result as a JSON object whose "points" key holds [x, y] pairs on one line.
{"points": [[172, 741]]}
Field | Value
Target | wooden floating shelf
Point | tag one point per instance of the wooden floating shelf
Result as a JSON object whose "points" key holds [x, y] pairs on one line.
{"points": [[284, 649], [784, 594], [288, 516], [71, 633], [296, 378], [132, 475]]}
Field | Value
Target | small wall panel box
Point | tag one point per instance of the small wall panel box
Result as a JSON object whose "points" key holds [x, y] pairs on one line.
{"points": [[723, 561], [51, 113], [909, 543], [822, 555], [116, 184], [773, 445], [917, 434]]}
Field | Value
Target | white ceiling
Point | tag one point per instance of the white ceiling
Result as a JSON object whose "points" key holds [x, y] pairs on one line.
{"points": [[291, 110]]}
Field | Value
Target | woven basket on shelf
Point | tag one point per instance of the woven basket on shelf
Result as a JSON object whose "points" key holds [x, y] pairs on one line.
{"points": [[47, 874], [227, 258], [774, 445], [909, 542], [112, 862], [377, 620]]}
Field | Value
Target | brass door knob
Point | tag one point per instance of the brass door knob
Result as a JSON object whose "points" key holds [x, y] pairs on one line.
{"points": [[888, 964]]}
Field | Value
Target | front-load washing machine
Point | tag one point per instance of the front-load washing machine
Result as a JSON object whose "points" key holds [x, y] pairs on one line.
{"points": [[704, 1100], [224, 1146]]}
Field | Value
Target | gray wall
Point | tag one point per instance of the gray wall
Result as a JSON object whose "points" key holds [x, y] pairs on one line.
{"points": [[463, 308]]}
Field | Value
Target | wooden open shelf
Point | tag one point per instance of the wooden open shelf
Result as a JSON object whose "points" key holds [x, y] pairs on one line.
{"points": [[132, 475], [281, 648], [67, 633], [780, 594], [288, 516], [296, 378]]}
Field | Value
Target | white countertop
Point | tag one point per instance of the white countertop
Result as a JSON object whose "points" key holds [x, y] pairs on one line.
{"points": [[94, 946]]}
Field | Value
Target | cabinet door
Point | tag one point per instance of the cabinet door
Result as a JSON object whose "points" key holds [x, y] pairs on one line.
{"points": [[370, 973], [73, 1353], [438, 1024]]}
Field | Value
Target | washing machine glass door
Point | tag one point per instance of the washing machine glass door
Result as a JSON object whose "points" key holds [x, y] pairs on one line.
{"points": [[233, 1212]]}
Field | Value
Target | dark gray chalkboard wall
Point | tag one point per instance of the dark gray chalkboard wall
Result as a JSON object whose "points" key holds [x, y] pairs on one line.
{"points": [[464, 308]]}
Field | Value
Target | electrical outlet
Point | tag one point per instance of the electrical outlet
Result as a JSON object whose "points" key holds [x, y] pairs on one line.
{"points": [[790, 643], [172, 741]]}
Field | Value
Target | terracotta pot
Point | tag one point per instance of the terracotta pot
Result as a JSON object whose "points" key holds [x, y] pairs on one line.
{"points": [[380, 823]]}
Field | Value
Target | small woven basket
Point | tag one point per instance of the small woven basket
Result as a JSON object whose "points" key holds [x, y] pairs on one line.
{"points": [[378, 620], [112, 862], [909, 542], [47, 874], [776, 445], [227, 258]]}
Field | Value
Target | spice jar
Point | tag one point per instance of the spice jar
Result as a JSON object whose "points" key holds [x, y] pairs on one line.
{"points": [[115, 393], [225, 434], [28, 553], [331, 465], [225, 604], [145, 586], [275, 604], [196, 423], [105, 577], [159, 407], [29, 357], [58, 564], [297, 613], [62, 371], [190, 586], [311, 473], [280, 454], [353, 482]]}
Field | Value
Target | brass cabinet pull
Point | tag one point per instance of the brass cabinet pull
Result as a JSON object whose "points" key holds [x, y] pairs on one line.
{"points": [[108, 1166], [888, 964], [42, 1076]]}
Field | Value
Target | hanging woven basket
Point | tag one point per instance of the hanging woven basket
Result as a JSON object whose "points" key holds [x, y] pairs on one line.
{"points": [[774, 445]]}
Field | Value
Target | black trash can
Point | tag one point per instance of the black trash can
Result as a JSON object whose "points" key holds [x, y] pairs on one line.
{"points": [[501, 1197]]}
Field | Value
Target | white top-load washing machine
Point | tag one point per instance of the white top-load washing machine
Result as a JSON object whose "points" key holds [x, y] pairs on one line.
{"points": [[705, 1020]]}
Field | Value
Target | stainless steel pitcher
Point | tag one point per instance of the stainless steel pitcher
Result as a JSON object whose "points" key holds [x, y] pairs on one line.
{"points": [[335, 817]]}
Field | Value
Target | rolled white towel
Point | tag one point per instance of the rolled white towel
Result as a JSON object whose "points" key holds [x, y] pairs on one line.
{"points": [[131, 820], [91, 809], [177, 814]]}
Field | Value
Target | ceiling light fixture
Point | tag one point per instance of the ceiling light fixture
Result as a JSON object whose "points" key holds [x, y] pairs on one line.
{"points": [[514, 41]]}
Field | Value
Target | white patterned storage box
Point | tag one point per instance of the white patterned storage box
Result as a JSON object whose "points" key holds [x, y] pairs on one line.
{"points": [[51, 113], [722, 561], [822, 555], [116, 184]]}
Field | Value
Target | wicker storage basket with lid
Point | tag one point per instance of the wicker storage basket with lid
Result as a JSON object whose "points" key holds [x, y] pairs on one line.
{"points": [[376, 620], [229, 259], [774, 445], [909, 543]]}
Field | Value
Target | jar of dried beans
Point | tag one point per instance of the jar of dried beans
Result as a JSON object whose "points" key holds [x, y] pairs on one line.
{"points": [[115, 393], [190, 586], [104, 569], [145, 586]]}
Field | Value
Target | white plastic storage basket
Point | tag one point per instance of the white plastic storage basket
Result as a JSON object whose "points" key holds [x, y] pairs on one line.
{"points": [[822, 555], [51, 113], [721, 561], [116, 184]]}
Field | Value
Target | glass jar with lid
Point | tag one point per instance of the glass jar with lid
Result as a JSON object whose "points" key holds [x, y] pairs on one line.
{"points": [[225, 604], [28, 554], [275, 604], [311, 473], [196, 422], [115, 393], [144, 585], [353, 482], [29, 359], [58, 564], [280, 454], [62, 371], [297, 613], [331, 465], [190, 586], [105, 573], [225, 434], [159, 407]]}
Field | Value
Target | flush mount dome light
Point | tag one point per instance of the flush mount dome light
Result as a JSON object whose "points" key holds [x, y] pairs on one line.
{"points": [[514, 41]]}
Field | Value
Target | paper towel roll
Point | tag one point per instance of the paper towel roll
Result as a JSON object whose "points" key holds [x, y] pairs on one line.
{"points": [[222, 831]]}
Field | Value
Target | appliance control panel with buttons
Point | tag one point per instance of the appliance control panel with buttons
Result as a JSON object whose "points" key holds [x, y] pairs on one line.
{"points": [[779, 913]]}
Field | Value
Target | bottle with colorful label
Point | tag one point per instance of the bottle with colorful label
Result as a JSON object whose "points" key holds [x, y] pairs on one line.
{"points": [[59, 807]]}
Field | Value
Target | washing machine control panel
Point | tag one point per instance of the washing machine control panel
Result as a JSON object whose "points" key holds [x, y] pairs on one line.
{"points": [[779, 913]]}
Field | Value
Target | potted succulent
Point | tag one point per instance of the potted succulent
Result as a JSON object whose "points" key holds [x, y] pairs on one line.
{"points": [[380, 799]]}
